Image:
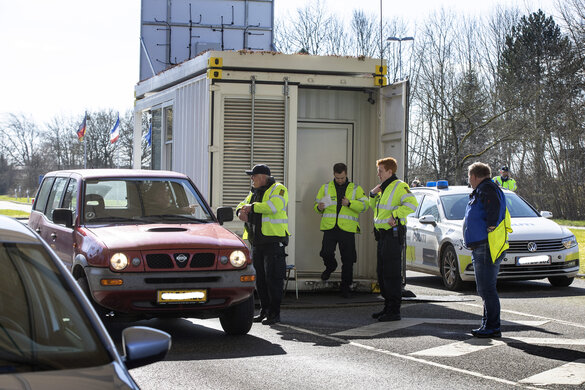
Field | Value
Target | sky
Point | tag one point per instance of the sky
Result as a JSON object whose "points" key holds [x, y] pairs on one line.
{"points": [[62, 57]]}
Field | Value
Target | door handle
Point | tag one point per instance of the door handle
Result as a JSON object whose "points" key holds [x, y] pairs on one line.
{"points": [[53, 235]]}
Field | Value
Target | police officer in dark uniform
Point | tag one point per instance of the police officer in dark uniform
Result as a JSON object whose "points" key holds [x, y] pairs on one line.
{"points": [[266, 228]]}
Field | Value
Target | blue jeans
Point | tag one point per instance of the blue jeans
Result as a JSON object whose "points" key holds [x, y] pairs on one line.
{"points": [[486, 276]]}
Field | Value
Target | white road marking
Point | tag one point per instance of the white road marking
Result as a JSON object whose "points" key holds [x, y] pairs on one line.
{"points": [[212, 323], [547, 341], [378, 328], [574, 324], [412, 358], [460, 348], [568, 374]]}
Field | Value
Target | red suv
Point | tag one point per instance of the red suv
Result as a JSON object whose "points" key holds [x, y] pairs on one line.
{"points": [[146, 244]]}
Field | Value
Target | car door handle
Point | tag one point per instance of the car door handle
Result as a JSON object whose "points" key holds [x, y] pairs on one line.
{"points": [[53, 235]]}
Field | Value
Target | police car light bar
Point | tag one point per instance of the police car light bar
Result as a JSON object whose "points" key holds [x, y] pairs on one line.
{"points": [[438, 184]]}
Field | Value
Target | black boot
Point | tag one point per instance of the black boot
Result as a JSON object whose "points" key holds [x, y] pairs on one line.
{"points": [[260, 316]]}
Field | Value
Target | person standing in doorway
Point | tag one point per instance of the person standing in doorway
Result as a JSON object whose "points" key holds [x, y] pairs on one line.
{"points": [[391, 201], [266, 228], [504, 180], [485, 231], [340, 203]]}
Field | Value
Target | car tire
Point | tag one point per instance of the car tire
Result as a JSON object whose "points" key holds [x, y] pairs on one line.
{"points": [[84, 284], [237, 319], [560, 281], [450, 269]]}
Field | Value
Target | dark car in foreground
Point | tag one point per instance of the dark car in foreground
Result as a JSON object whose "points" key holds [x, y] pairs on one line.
{"points": [[145, 244], [50, 336]]}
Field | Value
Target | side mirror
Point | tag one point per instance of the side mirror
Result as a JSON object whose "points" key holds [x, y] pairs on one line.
{"points": [[225, 214], [546, 214], [428, 219], [143, 345], [63, 217]]}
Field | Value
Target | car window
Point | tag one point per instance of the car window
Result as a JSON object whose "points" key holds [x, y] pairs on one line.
{"points": [[42, 324], [43, 195], [171, 200], [419, 196], [429, 207], [454, 205], [55, 196], [70, 198], [519, 208]]}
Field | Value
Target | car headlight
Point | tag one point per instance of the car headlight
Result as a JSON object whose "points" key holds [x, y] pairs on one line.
{"points": [[569, 242], [237, 258], [119, 261]]}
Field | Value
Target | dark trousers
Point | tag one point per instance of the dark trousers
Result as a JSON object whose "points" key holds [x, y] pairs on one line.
{"points": [[270, 264], [389, 268], [346, 242]]}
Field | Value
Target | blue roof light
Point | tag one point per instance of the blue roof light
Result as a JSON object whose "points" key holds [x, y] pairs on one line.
{"points": [[442, 184], [431, 183]]}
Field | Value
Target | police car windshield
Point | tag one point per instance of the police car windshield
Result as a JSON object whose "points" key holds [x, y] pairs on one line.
{"points": [[454, 206]]}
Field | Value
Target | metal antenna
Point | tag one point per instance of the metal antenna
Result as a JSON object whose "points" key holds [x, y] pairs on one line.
{"points": [[191, 36]]}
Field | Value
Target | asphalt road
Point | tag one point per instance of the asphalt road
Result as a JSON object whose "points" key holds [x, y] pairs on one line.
{"points": [[326, 342], [14, 206]]}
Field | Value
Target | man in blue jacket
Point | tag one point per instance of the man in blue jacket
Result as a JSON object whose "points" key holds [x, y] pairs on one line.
{"points": [[485, 231]]}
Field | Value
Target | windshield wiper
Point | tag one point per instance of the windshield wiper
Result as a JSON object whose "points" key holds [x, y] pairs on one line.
{"points": [[114, 219], [176, 217]]}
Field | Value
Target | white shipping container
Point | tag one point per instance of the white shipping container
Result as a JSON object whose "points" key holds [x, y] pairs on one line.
{"points": [[222, 112]]}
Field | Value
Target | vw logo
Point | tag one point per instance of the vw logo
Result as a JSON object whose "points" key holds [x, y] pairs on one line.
{"points": [[532, 247], [181, 259]]}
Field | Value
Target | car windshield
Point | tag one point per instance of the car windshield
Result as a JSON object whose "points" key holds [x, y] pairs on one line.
{"points": [[42, 324], [454, 206], [143, 201]]}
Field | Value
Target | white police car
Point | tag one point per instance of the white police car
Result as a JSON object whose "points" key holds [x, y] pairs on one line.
{"points": [[539, 247]]}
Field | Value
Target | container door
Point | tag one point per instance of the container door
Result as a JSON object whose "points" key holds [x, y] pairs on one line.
{"points": [[319, 146], [394, 125]]}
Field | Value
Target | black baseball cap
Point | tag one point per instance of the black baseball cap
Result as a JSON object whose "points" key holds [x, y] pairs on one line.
{"points": [[260, 169], [505, 169]]}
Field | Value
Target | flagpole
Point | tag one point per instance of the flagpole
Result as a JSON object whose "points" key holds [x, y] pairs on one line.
{"points": [[85, 144]]}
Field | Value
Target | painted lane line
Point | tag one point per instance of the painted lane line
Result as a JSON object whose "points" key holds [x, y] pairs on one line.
{"points": [[460, 348], [568, 374], [574, 324], [378, 328], [547, 341], [412, 358]]}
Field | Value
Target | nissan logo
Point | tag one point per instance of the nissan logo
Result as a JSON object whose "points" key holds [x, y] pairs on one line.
{"points": [[181, 259], [532, 247]]}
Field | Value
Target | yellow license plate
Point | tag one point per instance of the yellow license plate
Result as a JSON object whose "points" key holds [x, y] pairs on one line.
{"points": [[181, 296]]}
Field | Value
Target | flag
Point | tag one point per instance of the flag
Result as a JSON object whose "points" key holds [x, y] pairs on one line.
{"points": [[148, 135], [81, 129], [115, 132]]}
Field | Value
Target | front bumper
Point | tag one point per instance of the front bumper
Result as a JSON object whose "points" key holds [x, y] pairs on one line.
{"points": [[138, 293], [564, 263]]}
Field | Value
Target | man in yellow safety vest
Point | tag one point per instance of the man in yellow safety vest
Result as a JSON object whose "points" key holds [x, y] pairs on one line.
{"points": [[340, 203], [266, 228], [391, 201], [505, 181]]}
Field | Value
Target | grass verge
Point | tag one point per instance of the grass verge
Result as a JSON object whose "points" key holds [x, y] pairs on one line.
{"points": [[14, 213], [580, 235]]}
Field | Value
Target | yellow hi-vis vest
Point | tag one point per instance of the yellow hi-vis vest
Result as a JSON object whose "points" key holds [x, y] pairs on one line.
{"points": [[509, 184], [347, 220], [273, 210], [395, 201], [498, 238]]}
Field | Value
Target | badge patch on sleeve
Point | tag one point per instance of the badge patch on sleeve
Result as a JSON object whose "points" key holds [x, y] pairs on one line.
{"points": [[281, 192]]}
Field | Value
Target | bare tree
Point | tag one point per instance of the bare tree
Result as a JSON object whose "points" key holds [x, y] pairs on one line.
{"points": [[21, 144]]}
